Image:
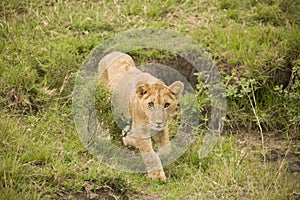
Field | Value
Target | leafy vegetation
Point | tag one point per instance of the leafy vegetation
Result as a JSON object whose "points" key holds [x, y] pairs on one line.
{"points": [[255, 45]]}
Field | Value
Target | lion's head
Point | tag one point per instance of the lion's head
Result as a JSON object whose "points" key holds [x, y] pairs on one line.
{"points": [[153, 103]]}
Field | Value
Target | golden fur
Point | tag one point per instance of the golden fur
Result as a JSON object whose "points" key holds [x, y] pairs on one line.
{"points": [[148, 102]]}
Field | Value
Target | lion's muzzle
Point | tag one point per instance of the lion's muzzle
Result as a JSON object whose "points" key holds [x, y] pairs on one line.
{"points": [[158, 117]]}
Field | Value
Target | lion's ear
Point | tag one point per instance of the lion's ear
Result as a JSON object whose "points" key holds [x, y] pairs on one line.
{"points": [[177, 88], [141, 89]]}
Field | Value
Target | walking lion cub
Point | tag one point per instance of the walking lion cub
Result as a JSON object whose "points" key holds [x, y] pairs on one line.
{"points": [[147, 102]]}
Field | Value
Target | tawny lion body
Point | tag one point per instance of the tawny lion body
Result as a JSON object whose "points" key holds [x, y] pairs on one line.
{"points": [[147, 101]]}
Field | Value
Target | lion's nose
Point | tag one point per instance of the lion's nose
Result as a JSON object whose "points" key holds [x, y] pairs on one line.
{"points": [[159, 122]]}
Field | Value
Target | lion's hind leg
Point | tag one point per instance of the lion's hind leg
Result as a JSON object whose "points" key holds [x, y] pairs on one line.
{"points": [[129, 142]]}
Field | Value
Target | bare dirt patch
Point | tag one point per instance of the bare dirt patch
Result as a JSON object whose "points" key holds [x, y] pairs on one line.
{"points": [[104, 193], [278, 149]]}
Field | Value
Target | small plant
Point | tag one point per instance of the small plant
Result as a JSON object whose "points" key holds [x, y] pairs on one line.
{"points": [[203, 97]]}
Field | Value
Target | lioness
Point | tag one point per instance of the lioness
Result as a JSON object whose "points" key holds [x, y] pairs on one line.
{"points": [[147, 102]]}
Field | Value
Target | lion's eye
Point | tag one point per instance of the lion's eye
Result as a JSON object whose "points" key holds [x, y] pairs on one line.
{"points": [[166, 105], [151, 104]]}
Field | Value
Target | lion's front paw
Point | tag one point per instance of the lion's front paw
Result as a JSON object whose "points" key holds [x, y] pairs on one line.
{"points": [[158, 174]]}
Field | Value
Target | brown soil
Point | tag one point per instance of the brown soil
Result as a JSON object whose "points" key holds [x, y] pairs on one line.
{"points": [[103, 193], [278, 149]]}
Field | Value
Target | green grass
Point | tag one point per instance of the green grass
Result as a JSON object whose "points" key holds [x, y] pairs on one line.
{"points": [[255, 44]]}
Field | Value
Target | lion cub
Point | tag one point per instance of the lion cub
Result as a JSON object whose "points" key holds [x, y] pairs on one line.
{"points": [[147, 102]]}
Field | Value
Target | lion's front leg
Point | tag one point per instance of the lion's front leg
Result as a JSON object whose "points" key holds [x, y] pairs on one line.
{"points": [[151, 159], [163, 143]]}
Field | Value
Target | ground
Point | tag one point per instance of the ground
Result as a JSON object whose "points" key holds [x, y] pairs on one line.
{"points": [[255, 45]]}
